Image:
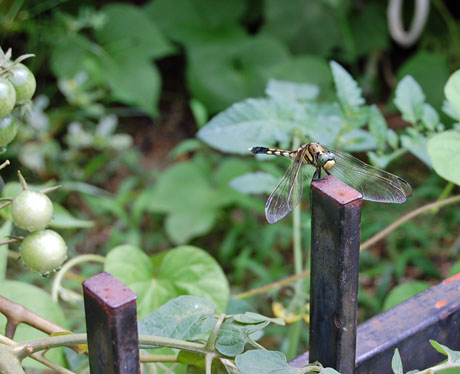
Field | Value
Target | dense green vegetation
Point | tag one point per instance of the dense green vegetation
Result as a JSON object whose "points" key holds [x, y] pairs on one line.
{"points": [[143, 114]]}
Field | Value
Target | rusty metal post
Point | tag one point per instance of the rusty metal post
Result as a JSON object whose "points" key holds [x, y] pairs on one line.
{"points": [[336, 223], [111, 324]]}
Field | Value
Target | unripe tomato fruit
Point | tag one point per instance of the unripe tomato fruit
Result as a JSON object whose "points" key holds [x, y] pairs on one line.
{"points": [[23, 82], [43, 251], [7, 97], [8, 129], [31, 210]]}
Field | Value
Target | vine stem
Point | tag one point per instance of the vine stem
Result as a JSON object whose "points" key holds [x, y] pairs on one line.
{"points": [[66, 267], [407, 217]]}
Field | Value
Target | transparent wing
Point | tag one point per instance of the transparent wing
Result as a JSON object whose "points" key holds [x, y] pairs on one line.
{"points": [[373, 183], [288, 193]]}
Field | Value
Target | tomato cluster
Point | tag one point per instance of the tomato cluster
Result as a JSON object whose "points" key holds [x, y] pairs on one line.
{"points": [[17, 86]]}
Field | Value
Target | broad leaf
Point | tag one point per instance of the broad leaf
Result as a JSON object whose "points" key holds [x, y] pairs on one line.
{"points": [[129, 32], [410, 99], [262, 362], [430, 117], [348, 91], [185, 317], [452, 91], [396, 363], [250, 123], [377, 125], [193, 22], [282, 90], [220, 74], [443, 150], [306, 26], [309, 69], [135, 81], [403, 292], [184, 270], [41, 303], [230, 340], [431, 71], [418, 146], [357, 140], [254, 183]]}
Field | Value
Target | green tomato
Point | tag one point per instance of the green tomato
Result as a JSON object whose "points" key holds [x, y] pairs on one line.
{"points": [[7, 97], [31, 210], [8, 129], [43, 251], [23, 82]]}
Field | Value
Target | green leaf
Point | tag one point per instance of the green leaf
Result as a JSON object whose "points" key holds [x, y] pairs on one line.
{"points": [[306, 26], [220, 74], [410, 99], [250, 123], [185, 317], [431, 71], [452, 356], [452, 91], [443, 150], [396, 363], [62, 219], [128, 31], [418, 145], [133, 81], [309, 69], [282, 90], [192, 22], [230, 340], [324, 123], [348, 91], [403, 292], [260, 361], [185, 225], [180, 271], [377, 125], [369, 28], [251, 317], [5, 231], [254, 183], [357, 140], [41, 303], [187, 218], [430, 117]]}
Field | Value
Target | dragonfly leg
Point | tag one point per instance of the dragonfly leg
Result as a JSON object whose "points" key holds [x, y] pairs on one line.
{"points": [[317, 174], [327, 172]]}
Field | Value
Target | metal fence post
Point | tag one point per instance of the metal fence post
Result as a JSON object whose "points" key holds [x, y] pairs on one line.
{"points": [[336, 222], [111, 324]]}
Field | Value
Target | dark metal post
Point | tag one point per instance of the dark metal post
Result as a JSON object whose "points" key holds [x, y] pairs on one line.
{"points": [[336, 222], [111, 324]]}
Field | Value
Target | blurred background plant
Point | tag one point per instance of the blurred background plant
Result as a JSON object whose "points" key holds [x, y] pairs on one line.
{"points": [[125, 88]]}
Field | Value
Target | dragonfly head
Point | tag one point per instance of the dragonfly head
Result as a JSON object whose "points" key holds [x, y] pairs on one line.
{"points": [[326, 160]]}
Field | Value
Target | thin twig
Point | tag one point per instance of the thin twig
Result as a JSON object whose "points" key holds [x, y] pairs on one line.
{"points": [[268, 287], [407, 217]]}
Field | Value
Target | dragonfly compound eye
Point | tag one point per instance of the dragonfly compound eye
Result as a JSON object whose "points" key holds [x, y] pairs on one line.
{"points": [[326, 161]]}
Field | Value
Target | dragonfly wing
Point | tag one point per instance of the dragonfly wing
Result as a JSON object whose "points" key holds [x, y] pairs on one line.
{"points": [[288, 193], [373, 183]]}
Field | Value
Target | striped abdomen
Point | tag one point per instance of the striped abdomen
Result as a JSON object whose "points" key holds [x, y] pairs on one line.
{"points": [[275, 151]]}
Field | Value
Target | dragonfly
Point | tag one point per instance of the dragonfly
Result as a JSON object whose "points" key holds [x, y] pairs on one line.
{"points": [[374, 184]]}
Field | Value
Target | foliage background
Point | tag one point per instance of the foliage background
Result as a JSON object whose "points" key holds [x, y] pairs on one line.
{"points": [[123, 89]]}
